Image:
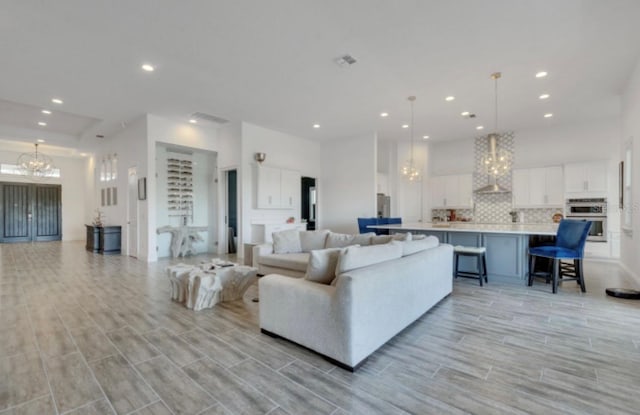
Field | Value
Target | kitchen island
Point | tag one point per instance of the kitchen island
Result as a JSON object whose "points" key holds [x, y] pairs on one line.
{"points": [[507, 244]]}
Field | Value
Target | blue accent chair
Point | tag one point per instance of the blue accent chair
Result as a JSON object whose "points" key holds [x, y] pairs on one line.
{"points": [[364, 222], [570, 240]]}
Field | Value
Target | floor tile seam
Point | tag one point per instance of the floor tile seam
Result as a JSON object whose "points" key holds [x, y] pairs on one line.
{"points": [[43, 363], [13, 407], [131, 365], [287, 378], [184, 373], [85, 406], [218, 338], [84, 359]]}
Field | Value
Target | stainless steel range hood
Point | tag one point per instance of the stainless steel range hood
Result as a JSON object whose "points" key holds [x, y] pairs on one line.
{"points": [[492, 184]]}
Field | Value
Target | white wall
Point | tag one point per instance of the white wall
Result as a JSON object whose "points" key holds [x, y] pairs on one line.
{"points": [[630, 242], [72, 181], [348, 187], [130, 146], [283, 151]]}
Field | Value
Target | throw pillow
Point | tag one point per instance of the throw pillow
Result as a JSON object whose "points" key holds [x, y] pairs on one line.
{"points": [[418, 236], [402, 236], [310, 240], [338, 240], [286, 242], [363, 239], [322, 265], [411, 247], [354, 257]]}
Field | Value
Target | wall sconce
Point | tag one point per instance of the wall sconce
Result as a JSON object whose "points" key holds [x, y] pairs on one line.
{"points": [[260, 157]]}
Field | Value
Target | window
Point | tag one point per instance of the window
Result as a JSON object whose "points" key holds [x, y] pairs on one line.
{"points": [[14, 170]]}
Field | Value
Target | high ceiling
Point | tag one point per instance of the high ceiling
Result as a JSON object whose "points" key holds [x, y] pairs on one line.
{"points": [[272, 63]]}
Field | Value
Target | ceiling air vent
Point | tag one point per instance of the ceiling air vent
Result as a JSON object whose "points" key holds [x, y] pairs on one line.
{"points": [[345, 60], [201, 116]]}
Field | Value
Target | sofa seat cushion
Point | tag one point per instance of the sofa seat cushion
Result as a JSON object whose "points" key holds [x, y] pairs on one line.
{"points": [[310, 240], [354, 257], [286, 242], [296, 261]]}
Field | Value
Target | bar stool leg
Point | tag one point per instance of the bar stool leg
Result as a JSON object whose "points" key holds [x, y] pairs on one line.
{"points": [[484, 266], [580, 275], [556, 273], [532, 267], [455, 269], [479, 260]]}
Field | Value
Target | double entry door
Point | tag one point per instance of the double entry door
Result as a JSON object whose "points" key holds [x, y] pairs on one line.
{"points": [[30, 212]]}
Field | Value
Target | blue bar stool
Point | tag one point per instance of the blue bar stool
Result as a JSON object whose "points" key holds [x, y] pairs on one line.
{"points": [[570, 240], [478, 252]]}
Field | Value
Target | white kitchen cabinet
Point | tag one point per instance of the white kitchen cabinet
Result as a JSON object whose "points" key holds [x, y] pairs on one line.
{"points": [[538, 187], [277, 188], [290, 188], [586, 179], [451, 192]]}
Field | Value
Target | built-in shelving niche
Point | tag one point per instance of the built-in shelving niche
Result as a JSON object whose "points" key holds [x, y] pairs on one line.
{"points": [[180, 185]]}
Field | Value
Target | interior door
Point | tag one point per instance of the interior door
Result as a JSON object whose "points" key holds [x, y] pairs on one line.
{"points": [[132, 213], [16, 213]]}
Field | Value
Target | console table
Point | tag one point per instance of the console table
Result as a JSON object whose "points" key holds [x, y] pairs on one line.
{"points": [[105, 240]]}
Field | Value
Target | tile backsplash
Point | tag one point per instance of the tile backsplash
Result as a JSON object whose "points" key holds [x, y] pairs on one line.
{"points": [[495, 207]]}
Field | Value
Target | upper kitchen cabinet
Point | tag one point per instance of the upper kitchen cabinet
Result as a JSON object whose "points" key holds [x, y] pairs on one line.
{"points": [[538, 187], [451, 192], [586, 179], [277, 188]]}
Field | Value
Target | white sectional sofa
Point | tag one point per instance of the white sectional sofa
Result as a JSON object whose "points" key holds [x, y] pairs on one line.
{"points": [[289, 252], [371, 294]]}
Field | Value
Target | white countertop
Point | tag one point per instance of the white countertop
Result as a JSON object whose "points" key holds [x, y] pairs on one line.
{"points": [[513, 228]]}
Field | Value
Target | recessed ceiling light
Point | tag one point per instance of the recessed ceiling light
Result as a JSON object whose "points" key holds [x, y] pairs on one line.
{"points": [[465, 113], [193, 121], [425, 137], [544, 96], [57, 101], [450, 98], [384, 114], [316, 125], [541, 74], [42, 123], [147, 67], [83, 154], [548, 115], [405, 125], [40, 140], [480, 127], [46, 112]]}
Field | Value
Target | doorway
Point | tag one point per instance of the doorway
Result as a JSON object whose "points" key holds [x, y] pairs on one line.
{"points": [[309, 202], [231, 217], [30, 212], [132, 212]]}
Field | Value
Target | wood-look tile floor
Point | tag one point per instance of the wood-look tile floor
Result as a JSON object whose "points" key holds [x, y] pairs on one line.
{"points": [[82, 333]]}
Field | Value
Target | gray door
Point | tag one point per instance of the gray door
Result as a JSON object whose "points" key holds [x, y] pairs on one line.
{"points": [[30, 212]]}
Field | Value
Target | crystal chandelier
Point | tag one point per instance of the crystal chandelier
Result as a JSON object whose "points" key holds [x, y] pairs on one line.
{"points": [[36, 165], [409, 170], [497, 161]]}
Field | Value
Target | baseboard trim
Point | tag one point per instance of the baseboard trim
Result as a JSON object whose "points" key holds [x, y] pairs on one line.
{"points": [[325, 357]]}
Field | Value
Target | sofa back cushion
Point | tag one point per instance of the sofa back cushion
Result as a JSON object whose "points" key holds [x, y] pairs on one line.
{"points": [[385, 239], [411, 247], [354, 257], [321, 267], [310, 240], [341, 240], [286, 242]]}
